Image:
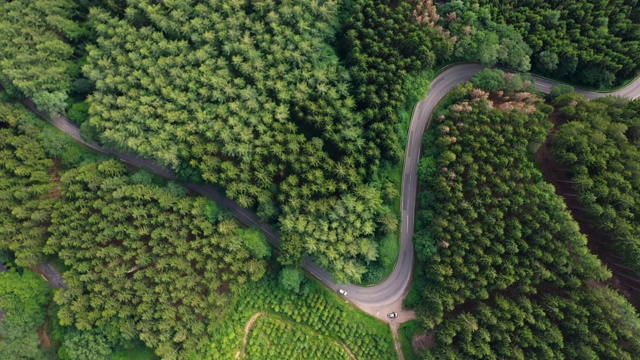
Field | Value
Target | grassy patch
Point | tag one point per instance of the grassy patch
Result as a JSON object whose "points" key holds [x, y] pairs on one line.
{"points": [[273, 337], [137, 352], [406, 333], [316, 308]]}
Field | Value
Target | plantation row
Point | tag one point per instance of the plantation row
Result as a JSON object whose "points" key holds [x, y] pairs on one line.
{"points": [[273, 338]]}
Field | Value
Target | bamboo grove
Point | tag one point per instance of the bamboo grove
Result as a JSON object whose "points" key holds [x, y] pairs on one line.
{"points": [[507, 271]]}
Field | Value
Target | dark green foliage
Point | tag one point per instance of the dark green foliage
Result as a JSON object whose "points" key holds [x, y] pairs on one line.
{"points": [[79, 112], [487, 220], [585, 323], [22, 299], [383, 43], [595, 43], [34, 49], [507, 274], [144, 259], [600, 147], [25, 187]]}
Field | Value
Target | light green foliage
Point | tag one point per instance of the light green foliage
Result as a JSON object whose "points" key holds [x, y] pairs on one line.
{"points": [[255, 241], [25, 186], [86, 345], [34, 50], [316, 309], [600, 147], [490, 80], [273, 338], [335, 233], [22, 299], [492, 221], [290, 279], [480, 38], [143, 258], [587, 42]]}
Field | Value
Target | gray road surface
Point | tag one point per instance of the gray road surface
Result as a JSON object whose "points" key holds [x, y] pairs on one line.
{"points": [[386, 296]]}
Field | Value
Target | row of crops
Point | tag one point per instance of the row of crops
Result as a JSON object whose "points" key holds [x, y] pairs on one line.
{"points": [[274, 338]]}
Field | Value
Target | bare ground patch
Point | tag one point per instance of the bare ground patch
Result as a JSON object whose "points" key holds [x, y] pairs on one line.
{"points": [[424, 341]]}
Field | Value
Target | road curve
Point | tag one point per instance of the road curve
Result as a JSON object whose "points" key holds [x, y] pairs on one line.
{"points": [[387, 295]]}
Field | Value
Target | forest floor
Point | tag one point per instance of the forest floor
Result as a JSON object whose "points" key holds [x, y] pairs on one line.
{"points": [[624, 280]]}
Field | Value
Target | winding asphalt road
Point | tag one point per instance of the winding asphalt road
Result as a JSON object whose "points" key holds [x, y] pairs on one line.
{"points": [[386, 296]]}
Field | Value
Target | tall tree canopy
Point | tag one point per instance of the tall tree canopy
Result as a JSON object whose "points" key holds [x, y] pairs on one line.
{"points": [[252, 96], [487, 220], [35, 52], [600, 146], [25, 186], [144, 258], [506, 272], [595, 43]]}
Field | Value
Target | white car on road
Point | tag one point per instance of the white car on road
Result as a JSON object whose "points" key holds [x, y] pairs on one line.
{"points": [[344, 293]]}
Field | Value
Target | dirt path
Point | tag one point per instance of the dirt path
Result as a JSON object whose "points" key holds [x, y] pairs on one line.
{"points": [[247, 329], [396, 340], [346, 348]]}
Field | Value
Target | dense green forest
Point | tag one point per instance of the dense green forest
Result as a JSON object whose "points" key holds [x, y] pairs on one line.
{"points": [[595, 43], [36, 50], [599, 148], [125, 240], [479, 38], [257, 102], [22, 301], [147, 260], [25, 185], [297, 110], [505, 271]]}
